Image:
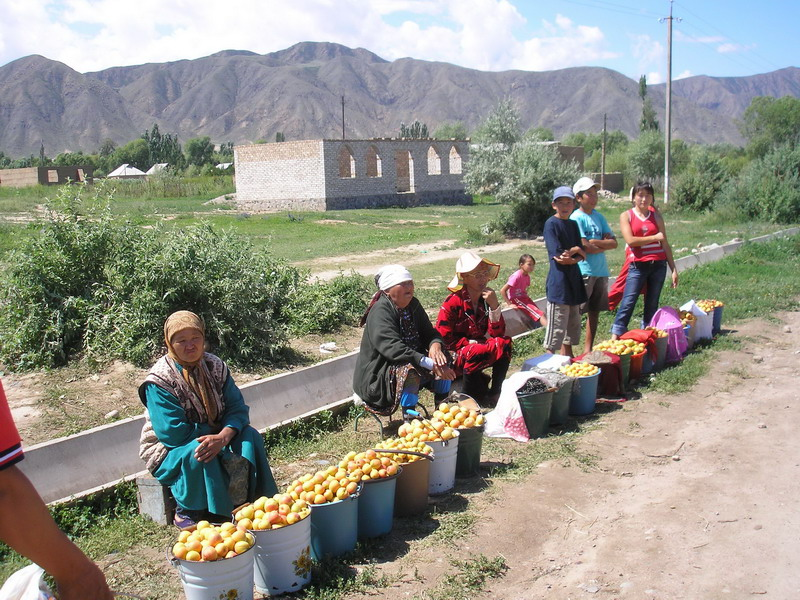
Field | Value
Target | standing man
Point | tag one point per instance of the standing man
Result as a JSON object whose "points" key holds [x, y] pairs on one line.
{"points": [[597, 237]]}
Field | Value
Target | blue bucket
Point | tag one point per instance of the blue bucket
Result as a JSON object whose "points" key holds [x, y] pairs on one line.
{"points": [[376, 506], [334, 527], [716, 320], [584, 395]]}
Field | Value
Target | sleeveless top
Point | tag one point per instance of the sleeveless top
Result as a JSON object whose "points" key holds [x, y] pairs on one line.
{"points": [[166, 375], [642, 228]]}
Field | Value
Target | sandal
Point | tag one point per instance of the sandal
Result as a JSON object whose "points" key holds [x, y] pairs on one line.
{"points": [[186, 519]]}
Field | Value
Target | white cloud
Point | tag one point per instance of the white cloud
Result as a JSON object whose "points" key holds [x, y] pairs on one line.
{"points": [[654, 77], [730, 48], [647, 52], [89, 35], [684, 74]]}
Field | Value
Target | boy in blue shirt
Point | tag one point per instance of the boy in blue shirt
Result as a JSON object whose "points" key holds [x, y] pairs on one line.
{"points": [[597, 237], [564, 286]]}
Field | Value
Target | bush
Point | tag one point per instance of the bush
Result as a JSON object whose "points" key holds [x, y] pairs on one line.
{"points": [[321, 307], [768, 188], [701, 182], [87, 285]]}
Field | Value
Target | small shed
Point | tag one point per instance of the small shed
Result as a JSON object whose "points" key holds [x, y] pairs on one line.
{"points": [[156, 168]]}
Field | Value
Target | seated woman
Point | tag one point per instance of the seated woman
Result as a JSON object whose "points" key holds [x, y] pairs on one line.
{"points": [[197, 437], [471, 323], [400, 349]]}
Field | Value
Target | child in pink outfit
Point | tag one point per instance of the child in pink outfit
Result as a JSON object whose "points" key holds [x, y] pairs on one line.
{"points": [[516, 290]]}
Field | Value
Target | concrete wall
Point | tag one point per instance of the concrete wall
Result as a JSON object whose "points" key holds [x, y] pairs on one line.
{"points": [[45, 175], [611, 181]]}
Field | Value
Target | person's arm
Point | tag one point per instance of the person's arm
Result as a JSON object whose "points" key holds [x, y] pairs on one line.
{"points": [[504, 292], [667, 248], [446, 323], [383, 329], [235, 418], [41, 540], [635, 241]]}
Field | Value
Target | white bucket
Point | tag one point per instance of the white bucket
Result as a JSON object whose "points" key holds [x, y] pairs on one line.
{"points": [[443, 468], [283, 558], [225, 578]]}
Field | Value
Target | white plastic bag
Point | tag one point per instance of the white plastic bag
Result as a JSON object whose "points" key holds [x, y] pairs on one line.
{"points": [[26, 584], [703, 321]]}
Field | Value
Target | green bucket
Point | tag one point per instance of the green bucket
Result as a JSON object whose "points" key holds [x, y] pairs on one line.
{"points": [[536, 412], [468, 459], [560, 410], [625, 365]]}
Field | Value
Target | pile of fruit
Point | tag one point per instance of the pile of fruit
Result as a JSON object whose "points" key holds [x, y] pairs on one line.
{"points": [[272, 513], [709, 305], [368, 465], [426, 431], [659, 332], [457, 416], [401, 444], [620, 347], [334, 483], [579, 369], [687, 318], [212, 542]]}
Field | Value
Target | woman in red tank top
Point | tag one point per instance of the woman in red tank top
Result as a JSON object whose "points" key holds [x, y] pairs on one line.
{"points": [[645, 234]]}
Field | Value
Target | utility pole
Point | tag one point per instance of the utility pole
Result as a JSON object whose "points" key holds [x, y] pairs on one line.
{"points": [[603, 157], [342, 117], [668, 126]]}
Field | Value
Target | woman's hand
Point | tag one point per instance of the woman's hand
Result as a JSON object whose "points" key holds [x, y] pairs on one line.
{"points": [[210, 445], [674, 278], [490, 296], [440, 364]]}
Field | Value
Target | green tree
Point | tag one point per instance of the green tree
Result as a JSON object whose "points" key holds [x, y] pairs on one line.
{"points": [[199, 151], [769, 122], [135, 153], [544, 134], [646, 156], [451, 131], [226, 150], [415, 131], [107, 147], [702, 181], [279, 137], [648, 122], [163, 148], [520, 172]]}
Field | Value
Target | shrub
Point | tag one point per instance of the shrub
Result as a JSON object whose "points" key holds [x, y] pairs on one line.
{"points": [[325, 306], [701, 182], [87, 285], [768, 188]]}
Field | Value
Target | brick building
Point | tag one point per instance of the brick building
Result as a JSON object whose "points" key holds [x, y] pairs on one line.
{"points": [[339, 174]]}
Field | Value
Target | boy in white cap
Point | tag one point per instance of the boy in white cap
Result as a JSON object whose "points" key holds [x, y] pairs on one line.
{"points": [[596, 237], [564, 286]]}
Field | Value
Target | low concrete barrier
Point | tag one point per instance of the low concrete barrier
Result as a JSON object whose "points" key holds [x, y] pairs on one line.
{"points": [[106, 455]]}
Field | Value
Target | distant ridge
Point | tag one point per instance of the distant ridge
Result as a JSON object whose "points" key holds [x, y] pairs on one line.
{"points": [[240, 96]]}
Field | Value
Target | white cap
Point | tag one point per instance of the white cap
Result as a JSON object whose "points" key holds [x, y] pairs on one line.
{"points": [[583, 184]]}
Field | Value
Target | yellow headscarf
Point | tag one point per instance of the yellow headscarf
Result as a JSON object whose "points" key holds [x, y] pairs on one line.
{"points": [[194, 373]]}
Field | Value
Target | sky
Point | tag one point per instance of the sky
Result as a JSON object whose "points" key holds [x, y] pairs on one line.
{"points": [[710, 37]]}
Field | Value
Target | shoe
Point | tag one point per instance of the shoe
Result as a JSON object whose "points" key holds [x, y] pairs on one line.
{"points": [[186, 519]]}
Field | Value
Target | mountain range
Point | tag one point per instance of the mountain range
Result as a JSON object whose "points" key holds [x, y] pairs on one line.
{"points": [[242, 97]]}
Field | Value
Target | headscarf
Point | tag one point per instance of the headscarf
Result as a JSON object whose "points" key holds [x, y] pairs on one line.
{"points": [[467, 262], [195, 373], [387, 277]]}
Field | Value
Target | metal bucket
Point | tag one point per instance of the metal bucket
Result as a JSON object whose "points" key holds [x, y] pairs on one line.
{"points": [[411, 491], [470, 443], [661, 347], [376, 506], [334, 527], [283, 558], [443, 469], [584, 395], [560, 408], [225, 578], [536, 412]]}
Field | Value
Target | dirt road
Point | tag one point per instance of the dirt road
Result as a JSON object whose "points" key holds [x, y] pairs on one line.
{"points": [[692, 496]]}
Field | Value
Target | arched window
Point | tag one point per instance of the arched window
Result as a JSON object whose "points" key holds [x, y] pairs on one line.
{"points": [[455, 161], [404, 169], [374, 168], [434, 162], [347, 164]]}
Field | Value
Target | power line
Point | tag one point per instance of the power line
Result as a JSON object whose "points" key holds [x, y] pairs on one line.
{"points": [[614, 7]]}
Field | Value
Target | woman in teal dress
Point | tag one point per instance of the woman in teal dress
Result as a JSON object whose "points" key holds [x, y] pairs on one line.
{"points": [[197, 437]]}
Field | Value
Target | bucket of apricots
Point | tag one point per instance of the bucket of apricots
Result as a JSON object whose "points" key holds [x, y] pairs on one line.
{"points": [[282, 530], [662, 339], [584, 389], [214, 561], [714, 308], [443, 438], [466, 417], [415, 458]]}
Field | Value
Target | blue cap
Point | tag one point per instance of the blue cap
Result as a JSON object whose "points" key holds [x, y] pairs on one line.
{"points": [[563, 192]]}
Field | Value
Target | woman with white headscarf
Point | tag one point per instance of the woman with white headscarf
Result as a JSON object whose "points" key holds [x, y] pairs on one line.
{"points": [[400, 349]]}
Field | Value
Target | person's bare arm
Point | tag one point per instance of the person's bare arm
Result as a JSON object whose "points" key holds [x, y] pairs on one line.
{"points": [[635, 241], [27, 527]]}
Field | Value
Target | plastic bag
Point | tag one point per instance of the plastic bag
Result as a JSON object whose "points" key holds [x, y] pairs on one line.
{"points": [[703, 321], [26, 584], [667, 319], [506, 419]]}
